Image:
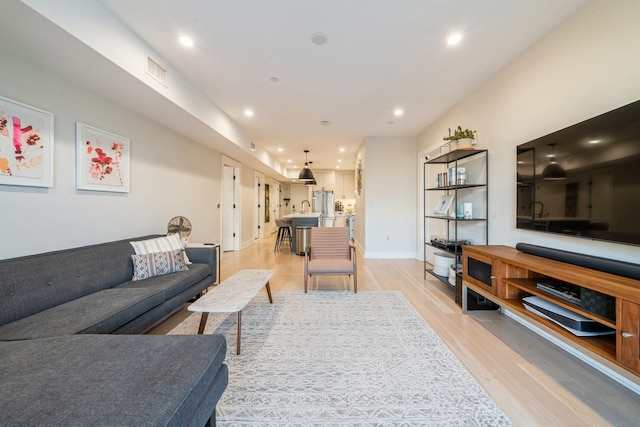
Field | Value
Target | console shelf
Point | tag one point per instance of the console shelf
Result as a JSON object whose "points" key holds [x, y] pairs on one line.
{"points": [[529, 286], [506, 276], [462, 177]]}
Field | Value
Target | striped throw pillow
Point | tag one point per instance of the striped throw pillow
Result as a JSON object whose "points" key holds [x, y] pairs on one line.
{"points": [[157, 264], [171, 242]]}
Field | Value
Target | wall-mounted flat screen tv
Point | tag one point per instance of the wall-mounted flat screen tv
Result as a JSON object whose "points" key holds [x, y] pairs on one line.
{"points": [[584, 180]]}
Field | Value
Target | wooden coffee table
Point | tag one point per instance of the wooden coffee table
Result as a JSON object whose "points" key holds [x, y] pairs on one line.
{"points": [[232, 296]]}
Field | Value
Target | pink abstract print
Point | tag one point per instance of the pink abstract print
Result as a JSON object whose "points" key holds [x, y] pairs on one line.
{"points": [[103, 163], [103, 160], [21, 150]]}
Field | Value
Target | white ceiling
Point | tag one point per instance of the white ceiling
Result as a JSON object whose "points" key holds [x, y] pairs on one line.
{"points": [[380, 55]]}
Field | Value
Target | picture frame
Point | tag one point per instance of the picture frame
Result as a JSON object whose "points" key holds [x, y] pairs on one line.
{"points": [[102, 160], [443, 205], [26, 145]]}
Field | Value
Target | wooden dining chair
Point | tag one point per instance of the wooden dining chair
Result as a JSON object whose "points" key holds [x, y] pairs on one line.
{"points": [[330, 253]]}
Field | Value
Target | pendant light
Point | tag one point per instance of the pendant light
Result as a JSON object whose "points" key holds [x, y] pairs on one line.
{"points": [[553, 171], [313, 180], [306, 174]]}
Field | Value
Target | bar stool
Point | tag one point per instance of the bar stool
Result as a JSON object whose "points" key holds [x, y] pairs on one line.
{"points": [[284, 232]]}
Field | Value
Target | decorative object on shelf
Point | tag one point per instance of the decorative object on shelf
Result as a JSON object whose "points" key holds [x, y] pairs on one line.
{"points": [[444, 204], [553, 171], [461, 139], [457, 176], [102, 160], [26, 145], [305, 173], [467, 208]]}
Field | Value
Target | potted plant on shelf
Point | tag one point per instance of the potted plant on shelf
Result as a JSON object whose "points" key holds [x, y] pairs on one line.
{"points": [[461, 139]]}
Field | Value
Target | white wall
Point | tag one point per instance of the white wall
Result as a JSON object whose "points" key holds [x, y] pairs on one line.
{"points": [[588, 65], [169, 174], [390, 204]]}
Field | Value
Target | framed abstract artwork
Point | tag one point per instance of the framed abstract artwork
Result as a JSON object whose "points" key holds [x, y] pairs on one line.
{"points": [[443, 205], [26, 145], [102, 160]]}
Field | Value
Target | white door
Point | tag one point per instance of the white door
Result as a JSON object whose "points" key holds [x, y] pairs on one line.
{"points": [[228, 208], [230, 197], [258, 206]]}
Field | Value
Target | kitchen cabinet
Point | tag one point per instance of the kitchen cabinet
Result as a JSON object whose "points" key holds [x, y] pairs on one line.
{"points": [[455, 206], [344, 185], [325, 180]]}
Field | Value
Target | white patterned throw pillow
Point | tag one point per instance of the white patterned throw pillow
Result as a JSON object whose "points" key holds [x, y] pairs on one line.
{"points": [[157, 264], [171, 242]]}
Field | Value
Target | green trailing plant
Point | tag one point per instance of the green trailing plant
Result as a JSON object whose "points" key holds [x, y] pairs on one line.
{"points": [[458, 133]]}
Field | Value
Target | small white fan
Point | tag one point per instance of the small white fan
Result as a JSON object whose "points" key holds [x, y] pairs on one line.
{"points": [[179, 225]]}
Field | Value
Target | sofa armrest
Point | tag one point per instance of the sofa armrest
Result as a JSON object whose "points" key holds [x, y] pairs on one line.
{"points": [[205, 255]]}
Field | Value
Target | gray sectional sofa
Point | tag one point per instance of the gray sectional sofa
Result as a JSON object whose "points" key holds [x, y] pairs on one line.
{"points": [[70, 349]]}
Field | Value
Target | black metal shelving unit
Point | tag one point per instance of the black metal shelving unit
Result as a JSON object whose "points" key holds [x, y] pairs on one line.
{"points": [[454, 238]]}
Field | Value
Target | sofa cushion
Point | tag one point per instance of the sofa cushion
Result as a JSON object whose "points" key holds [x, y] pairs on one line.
{"points": [[157, 264], [99, 313], [96, 380], [35, 283], [174, 283], [171, 242], [330, 266]]}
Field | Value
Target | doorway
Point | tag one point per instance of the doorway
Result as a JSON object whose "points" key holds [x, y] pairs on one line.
{"points": [[230, 223]]}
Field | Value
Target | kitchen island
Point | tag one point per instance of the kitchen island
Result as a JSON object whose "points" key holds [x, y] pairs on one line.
{"points": [[311, 219]]}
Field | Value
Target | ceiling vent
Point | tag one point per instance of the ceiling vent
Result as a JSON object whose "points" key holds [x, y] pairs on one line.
{"points": [[156, 71]]}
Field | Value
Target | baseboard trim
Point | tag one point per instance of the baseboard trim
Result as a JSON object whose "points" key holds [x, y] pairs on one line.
{"points": [[389, 255]]}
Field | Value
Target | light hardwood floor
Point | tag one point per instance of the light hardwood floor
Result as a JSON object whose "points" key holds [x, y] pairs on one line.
{"points": [[534, 382]]}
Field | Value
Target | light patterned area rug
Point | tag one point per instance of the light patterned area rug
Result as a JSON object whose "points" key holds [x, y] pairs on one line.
{"points": [[333, 358]]}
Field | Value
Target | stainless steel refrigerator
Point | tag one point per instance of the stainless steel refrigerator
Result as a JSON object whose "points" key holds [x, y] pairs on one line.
{"points": [[323, 204]]}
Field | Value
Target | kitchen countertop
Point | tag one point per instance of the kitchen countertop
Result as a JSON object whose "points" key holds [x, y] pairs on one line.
{"points": [[304, 215]]}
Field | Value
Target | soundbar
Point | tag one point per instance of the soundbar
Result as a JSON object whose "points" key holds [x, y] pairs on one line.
{"points": [[620, 268]]}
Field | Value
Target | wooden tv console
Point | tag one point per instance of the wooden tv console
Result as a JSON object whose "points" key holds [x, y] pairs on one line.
{"points": [[505, 275]]}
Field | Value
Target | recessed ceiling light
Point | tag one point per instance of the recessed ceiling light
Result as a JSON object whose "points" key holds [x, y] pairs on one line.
{"points": [[398, 112], [342, 149], [338, 167], [289, 161], [454, 39], [280, 150], [248, 113], [595, 141], [339, 160], [186, 41], [319, 38]]}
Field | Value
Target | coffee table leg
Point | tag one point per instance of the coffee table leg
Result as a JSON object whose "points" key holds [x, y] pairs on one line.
{"points": [[269, 292], [203, 322], [239, 329]]}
